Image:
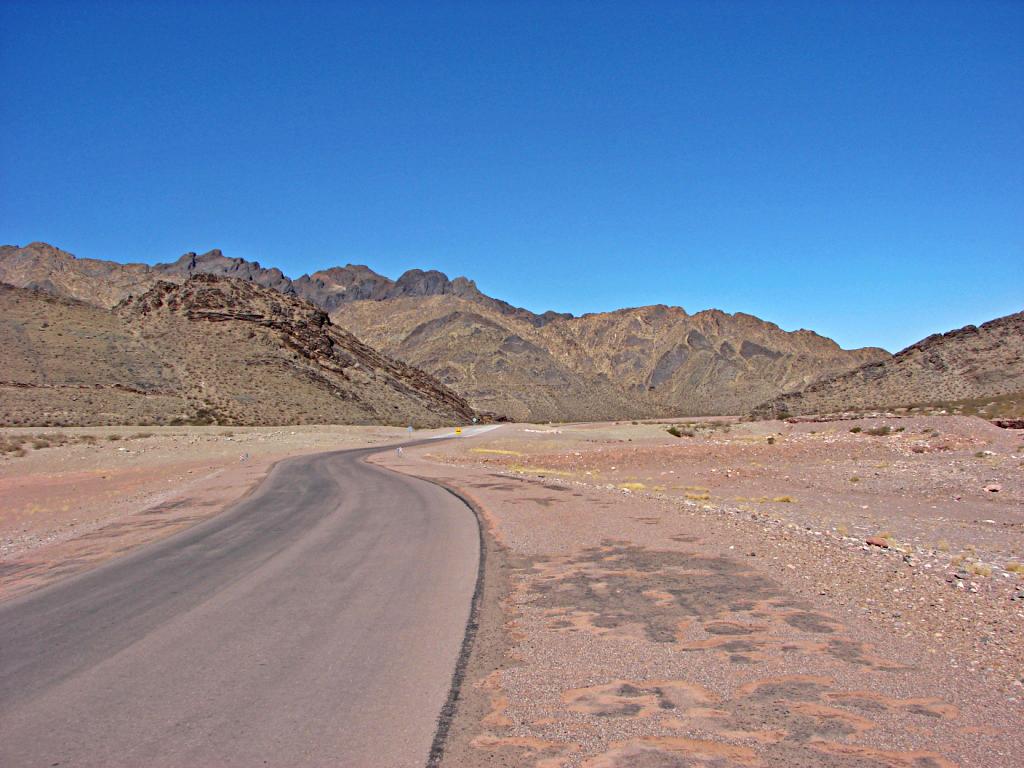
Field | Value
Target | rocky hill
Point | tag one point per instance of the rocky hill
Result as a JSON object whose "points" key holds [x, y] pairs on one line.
{"points": [[975, 363], [209, 350], [648, 361]]}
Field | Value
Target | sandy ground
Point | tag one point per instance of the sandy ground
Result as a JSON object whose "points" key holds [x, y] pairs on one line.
{"points": [[95, 492], [713, 600]]}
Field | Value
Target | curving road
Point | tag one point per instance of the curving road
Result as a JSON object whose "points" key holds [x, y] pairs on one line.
{"points": [[317, 622]]}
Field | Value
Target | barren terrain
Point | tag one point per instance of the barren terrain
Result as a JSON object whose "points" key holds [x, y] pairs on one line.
{"points": [[844, 593], [642, 361], [208, 351], [974, 369]]}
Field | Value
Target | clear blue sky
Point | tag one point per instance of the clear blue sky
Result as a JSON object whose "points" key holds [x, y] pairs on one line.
{"points": [[855, 168]]}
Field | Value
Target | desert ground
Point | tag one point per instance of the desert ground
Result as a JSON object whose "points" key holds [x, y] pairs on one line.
{"points": [[844, 593]]}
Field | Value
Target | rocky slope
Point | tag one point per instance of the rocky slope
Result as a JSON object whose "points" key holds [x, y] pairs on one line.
{"points": [[971, 364], [632, 363], [207, 350]]}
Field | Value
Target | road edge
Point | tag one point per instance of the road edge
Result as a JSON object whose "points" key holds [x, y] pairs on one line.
{"points": [[451, 705]]}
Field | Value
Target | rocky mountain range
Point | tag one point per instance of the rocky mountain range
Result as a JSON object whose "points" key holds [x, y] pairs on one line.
{"points": [[946, 370], [631, 363], [207, 350]]}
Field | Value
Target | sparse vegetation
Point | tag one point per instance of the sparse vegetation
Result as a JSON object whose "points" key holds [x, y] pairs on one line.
{"points": [[978, 569], [11, 446], [856, 430]]}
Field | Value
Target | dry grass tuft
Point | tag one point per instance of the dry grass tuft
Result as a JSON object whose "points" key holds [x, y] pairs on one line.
{"points": [[978, 569]]}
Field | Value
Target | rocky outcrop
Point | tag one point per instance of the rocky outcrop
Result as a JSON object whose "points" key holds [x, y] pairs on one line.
{"points": [[208, 350], [970, 363]]}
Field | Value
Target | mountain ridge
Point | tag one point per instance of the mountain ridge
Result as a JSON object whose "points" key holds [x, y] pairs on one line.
{"points": [[631, 362], [975, 362]]}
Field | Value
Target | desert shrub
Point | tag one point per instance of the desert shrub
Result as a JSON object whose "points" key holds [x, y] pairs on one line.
{"points": [[113, 438], [979, 569], [771, 441], [855, 430], [11, 446], [674, 431]]}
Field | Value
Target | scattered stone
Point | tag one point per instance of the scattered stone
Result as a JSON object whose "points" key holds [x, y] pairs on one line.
{"points": [[993, 487], [877, 541]]}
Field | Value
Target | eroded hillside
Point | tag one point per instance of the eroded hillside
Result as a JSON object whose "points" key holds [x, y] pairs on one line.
{"points": [[210, 350], [972, 366]]}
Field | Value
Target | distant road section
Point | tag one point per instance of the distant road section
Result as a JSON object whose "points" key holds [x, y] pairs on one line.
{"points": [[315, 623]]}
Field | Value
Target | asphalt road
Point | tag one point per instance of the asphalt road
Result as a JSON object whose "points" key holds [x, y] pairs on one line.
{"points": [[317, 622]]}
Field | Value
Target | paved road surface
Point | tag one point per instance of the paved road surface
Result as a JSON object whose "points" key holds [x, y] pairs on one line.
{"points": [[315, 623]]}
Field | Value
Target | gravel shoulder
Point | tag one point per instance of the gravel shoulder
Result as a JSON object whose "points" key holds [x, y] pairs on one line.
{"points": [[714, 601]]}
